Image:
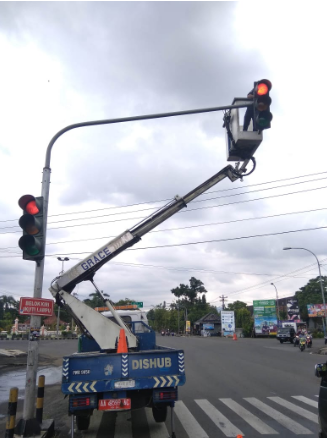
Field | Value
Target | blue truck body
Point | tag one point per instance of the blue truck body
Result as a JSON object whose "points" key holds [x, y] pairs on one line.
{"points": [[99, 372], [148, 376]]}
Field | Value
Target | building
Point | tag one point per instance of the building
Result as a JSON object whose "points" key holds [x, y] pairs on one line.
{"points": [[209, 322]]}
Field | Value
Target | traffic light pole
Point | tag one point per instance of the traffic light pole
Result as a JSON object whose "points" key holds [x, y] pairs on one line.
{"points": [[29, 426]]}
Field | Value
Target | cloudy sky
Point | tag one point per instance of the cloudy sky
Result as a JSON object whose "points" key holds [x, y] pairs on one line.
{"points": [[70, 62]]}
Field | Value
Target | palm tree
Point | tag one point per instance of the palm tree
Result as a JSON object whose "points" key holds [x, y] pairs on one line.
{"points": [[8, 302]]}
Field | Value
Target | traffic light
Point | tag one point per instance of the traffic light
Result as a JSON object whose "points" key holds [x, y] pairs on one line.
{"points": [[261, 105], [32, 241]]}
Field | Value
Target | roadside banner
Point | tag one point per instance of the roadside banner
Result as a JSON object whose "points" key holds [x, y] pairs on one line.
{"points": [[188, 326], [265, 318], [315, 310], [227, 322], [293, 310]]}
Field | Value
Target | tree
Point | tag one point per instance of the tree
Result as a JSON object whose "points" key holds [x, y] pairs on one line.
{"points": [[309, 294], [8, 302], [124, 302], [96, 300], [237, 305], [189, 294]]}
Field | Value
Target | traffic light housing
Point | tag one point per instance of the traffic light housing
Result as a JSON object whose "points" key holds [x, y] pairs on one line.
{"points": [[261, 105], [32, 242]]}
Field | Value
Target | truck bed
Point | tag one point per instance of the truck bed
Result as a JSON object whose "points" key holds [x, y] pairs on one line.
{"points": [[99, 372]]}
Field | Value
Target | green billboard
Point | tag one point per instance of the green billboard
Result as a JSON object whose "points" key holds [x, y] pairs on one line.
{"points": [[265, 318]]}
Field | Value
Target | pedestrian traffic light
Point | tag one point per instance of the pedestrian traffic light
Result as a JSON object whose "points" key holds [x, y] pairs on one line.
{"points": [[261, 105], [32, 241]]}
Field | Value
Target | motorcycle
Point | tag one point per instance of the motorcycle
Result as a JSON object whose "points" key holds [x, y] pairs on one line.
{"points": [[296, 341], [309, 341], [34, 336], [163, 333], [302, 344]]}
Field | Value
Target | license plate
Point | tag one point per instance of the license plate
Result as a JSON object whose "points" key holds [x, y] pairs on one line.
{"points": [[114, 404]]}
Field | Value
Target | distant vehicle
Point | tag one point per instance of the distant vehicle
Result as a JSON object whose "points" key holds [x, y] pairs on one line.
{"points": [[34, 336], [286, 334]]}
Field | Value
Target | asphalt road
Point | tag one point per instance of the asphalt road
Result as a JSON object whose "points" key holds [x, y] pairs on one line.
{"points": [[245, 387]]}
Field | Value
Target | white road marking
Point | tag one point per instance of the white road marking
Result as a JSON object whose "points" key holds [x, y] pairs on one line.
{"points": [[306, 400], [219, 419], [292, 407], [191, 426], [247, 416], [285, 421]]}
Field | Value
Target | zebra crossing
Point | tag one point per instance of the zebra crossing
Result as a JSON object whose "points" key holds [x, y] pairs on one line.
{"points": [[220, 417]]}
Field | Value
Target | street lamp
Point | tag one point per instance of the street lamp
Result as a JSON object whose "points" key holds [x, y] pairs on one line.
{"points": [[276, 301], [320, 279], [63, 260]]}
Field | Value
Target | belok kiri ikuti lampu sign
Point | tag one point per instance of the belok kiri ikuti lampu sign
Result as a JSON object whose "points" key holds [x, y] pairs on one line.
{"points": [[36, 306]]}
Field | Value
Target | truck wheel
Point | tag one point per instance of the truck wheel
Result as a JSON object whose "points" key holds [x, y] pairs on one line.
{"points": [[280, 341], [159, 414], [83, 422]]}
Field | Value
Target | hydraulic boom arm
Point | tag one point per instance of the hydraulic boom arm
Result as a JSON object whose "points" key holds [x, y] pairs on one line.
{"points": [[91, 320]]}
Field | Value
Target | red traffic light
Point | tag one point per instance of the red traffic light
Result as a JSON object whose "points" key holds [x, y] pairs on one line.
{"points": [[263, 87], [28, 203]]}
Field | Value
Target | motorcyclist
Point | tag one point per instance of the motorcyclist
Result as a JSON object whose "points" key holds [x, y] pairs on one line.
{"points": [[309, 339], [296, 339]]}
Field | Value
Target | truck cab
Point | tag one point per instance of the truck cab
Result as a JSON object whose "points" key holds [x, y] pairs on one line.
{"points": [[286, 334], [134, 319]]}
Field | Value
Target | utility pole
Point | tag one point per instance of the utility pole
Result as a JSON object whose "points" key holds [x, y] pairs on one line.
{"points": [[278, 318], [222, 298]]}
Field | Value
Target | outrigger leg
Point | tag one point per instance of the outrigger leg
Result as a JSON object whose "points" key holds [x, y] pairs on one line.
{"points": [[72, 426], [172, 422]]}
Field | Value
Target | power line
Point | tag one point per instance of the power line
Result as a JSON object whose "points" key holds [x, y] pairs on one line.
{"points": [[165, 200], [182, 211], [184, 228], [201, 242], [274, 279]]}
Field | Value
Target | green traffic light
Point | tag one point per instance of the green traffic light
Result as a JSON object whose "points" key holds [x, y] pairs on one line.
{"points": [[263, 119], [30, 245]]}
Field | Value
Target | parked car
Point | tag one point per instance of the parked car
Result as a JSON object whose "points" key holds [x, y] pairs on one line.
{"points": [[286, 334]]}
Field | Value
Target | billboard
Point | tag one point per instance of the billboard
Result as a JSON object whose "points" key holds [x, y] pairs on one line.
{"points": [[265, 318], [293, 310], [208, 326], [227, 322], [315, 310]]}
